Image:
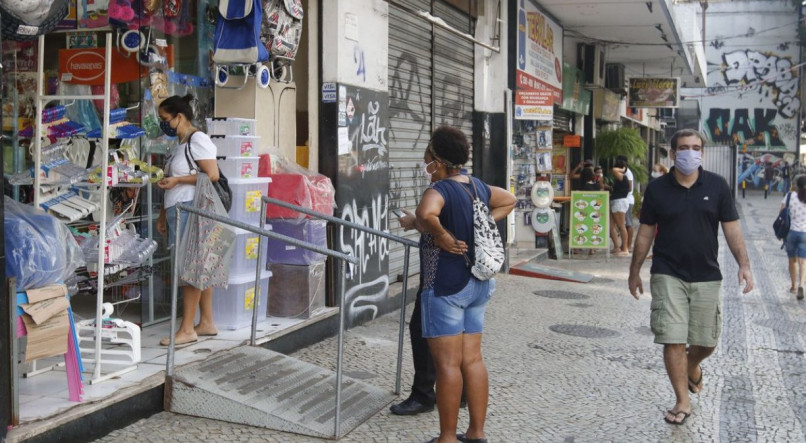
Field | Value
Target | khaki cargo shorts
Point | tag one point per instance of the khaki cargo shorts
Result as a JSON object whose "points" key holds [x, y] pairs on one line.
{"points": [[685, 312]]}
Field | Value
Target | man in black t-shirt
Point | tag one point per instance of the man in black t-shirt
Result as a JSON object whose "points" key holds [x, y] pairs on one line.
{"points": [[687, 205]]}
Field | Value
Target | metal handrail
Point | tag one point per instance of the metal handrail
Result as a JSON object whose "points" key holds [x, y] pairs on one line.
{"points": [[407, 244], [262, 232], [339, 221]]}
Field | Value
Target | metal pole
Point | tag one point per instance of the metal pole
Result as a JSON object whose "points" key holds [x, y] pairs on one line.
{"points": [[339, 355], [11, 288], [256, 302], [169, 362], [406, 250], [104, 197]]}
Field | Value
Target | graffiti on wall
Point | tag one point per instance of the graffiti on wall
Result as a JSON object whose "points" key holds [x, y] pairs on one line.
{"points": [[758, 170], [409, 103], [362, 198], [753, 99]]}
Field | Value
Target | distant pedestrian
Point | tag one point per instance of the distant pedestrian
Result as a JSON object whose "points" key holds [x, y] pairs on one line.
{"points": [[769, 176], [796, 239], [630, 202], [687, 206], [786, 175], [618, 209], [658, 170]]}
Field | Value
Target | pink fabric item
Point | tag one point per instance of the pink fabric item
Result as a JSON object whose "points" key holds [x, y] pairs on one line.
{"points": [[75, 388], [21, 331]]}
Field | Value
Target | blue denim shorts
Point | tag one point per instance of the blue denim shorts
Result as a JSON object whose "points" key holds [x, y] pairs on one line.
{"points": [[462, 312], [170, 214], [796, 244]]}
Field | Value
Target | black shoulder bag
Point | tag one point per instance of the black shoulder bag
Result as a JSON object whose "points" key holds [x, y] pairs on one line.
{"points": [[221, 186]]}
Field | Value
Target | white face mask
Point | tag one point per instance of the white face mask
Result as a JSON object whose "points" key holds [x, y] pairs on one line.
{"points": [[425, 170], [687, 161], [656, 174]]}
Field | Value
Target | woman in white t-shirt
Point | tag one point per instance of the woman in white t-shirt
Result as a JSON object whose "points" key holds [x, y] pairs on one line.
{"points": [[796, 239], [176, 120]]}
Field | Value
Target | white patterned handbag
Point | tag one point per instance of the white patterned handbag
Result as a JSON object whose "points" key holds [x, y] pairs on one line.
{"points": [[489, 248]]}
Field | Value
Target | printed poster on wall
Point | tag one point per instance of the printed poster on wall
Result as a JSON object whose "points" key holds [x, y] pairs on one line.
{"points": [[590, 221], [655, 92], [539, 73]]}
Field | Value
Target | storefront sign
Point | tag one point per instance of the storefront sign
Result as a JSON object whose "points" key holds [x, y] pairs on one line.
{"points": [[606, 105], [86, 67], [539, 50], [657, 92], [590, 221], [572, 141], [576, 98]]}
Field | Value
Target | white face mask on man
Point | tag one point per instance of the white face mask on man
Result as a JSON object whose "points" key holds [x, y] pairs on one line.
{"points": [[656, 174], [687, 161]]}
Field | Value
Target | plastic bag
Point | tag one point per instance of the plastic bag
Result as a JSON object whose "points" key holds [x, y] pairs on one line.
{"points": [[206, 245], [294, 184], [40, 250]]}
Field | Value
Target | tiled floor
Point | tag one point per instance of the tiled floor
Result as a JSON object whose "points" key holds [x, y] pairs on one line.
{"points": [[45, 394]]}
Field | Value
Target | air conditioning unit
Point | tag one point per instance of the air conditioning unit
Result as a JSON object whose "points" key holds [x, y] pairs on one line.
{"points": [[591, 60], [614, 77], [667, 114]]}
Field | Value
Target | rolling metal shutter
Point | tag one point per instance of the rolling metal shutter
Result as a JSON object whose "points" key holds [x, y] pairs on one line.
{"points": [[416, 55]]}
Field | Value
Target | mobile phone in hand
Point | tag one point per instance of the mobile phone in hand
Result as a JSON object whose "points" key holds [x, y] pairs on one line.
{"points": [[398, 213]]}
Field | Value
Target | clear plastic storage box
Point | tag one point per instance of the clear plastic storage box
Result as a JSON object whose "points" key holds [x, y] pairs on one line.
{"points": [[239, 167], [230, 126], [236, 145], [232, 307], [246, 195], [244, 255]]}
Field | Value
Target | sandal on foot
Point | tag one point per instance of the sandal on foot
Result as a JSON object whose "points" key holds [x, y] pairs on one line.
{"points": [[686, 415], [695, 384], [463, 438], [187, 340], [206, 332]]}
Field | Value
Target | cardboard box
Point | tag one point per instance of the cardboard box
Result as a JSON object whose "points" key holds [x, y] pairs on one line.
{"points": [[296, 291]]}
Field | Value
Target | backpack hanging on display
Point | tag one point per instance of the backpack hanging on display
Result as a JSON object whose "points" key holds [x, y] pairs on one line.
{"points": [[237, 41], [281, 32], [27, 19]]}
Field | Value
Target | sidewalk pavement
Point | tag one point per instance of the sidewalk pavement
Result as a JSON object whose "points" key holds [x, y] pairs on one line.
{"points": [[573, 362]]}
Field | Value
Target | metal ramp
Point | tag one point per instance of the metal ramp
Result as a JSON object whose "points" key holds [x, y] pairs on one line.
{"points": [[262, 388]]}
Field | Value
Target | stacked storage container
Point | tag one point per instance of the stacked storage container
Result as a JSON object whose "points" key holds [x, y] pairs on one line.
{"points": [[237, 149], [299, 274]]}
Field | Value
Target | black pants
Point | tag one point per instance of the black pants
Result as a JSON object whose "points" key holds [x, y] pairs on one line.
{"points": [[425, 375]]}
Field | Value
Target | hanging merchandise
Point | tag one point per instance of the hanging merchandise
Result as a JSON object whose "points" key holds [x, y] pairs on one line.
{"points": [[176, 14], [81, 111], [542, 194], [541, 220], [94, 13], [281, 33], [27, 19], [237, 42]]}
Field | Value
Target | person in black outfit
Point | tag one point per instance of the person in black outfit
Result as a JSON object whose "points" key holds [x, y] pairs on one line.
{"points": [[422, 397]]}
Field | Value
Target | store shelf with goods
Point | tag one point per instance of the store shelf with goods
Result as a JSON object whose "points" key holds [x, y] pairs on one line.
{"points": [[111, 247]]}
